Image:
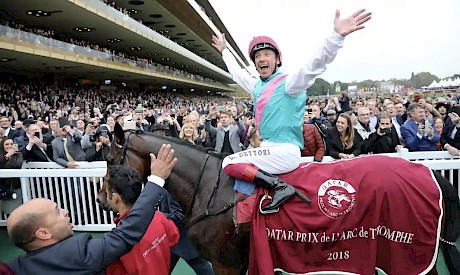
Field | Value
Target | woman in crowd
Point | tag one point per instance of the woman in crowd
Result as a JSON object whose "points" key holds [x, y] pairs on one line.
{"points": [[10, 158], [438, 126], [190, 133], [343, 142]]}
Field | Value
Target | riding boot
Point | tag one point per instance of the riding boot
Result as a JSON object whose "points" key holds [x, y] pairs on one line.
{"points": [[282, 191], [251, 173]]}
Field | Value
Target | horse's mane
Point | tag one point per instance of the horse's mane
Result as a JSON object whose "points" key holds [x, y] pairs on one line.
{"points": [[206, 150]]}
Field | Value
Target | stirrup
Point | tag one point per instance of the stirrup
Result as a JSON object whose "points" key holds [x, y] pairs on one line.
{"points": [[267, 197]]}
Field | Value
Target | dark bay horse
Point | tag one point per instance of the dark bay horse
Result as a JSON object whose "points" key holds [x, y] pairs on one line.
{"points": [[199, 185], [216, 236]]}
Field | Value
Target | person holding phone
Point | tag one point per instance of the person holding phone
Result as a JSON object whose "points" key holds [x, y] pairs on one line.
{"points": [[10, 188], [32, 146], [99, 149], [418, 132], [384, 140], [450, 137]]}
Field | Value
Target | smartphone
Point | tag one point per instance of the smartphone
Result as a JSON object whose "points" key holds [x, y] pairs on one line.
{"points": [[37, 134], [427, 124], [220, 108], [386, 131], [104, 133], [15, 146]]}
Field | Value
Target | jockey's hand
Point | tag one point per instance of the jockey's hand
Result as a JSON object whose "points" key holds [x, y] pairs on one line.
{"points": [[162, 165], [352, 23], [219, 42], [452, 150]]}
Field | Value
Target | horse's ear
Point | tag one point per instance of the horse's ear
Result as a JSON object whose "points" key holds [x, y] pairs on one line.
{"points": [[118, 131]]}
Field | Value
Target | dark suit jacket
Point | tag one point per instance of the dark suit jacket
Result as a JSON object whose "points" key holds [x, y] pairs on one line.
{"points": [[184, 247], [35, 153], [81, 254], [413, 142], [446, 133], [13, 133], [381, 144], [73, 147], [334, 144]]}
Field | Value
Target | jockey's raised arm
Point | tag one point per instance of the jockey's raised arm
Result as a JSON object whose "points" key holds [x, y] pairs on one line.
{"points": [[279, 105]]}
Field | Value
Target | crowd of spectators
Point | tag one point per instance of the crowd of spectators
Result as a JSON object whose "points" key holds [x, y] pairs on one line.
{"points": [[67, 125], [20, 32]]}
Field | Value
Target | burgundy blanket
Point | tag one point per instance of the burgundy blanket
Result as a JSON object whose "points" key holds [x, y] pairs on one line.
{"points": [[368, 212]]}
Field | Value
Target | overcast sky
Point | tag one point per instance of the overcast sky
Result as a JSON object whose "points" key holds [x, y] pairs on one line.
{"points": [[403, 36]]}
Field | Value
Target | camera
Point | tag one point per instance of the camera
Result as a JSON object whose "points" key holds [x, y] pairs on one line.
{"points": [[385, 131]]}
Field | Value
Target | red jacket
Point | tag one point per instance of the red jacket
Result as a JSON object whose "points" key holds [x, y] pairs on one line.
{"points": [[152, 255], [312, 142]]}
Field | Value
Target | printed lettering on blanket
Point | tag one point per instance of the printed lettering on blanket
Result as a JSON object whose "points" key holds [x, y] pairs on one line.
{"points": [[372, 211]]}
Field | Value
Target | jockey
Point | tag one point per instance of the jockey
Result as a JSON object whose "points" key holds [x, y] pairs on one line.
{"points": [[279, 103]]}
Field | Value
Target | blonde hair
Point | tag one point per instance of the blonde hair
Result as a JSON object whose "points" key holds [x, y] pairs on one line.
{"points": [[349, 137], [195, 131]]}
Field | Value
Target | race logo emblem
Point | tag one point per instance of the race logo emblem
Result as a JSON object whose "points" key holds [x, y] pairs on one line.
{"points": [[336, 198]]}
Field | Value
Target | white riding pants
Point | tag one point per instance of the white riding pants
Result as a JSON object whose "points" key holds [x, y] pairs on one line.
{"points": [[271, 157]]}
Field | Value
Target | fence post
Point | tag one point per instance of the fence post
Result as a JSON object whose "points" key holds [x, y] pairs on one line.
{"points": [[404, 153]]}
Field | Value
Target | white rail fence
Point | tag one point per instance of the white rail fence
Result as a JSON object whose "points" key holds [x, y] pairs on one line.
{"points": [[76, 189]]}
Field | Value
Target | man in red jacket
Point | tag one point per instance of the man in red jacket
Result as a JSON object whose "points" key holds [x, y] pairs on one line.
{"points": [[153, 253]]}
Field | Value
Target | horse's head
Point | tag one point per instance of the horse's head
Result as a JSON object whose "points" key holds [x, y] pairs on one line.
{"points": [[116, 147], [122, 151]]}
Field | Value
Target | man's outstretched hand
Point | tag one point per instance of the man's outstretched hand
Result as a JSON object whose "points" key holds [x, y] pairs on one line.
{"points": [[162, 165], [220, 43], [352, 23]]}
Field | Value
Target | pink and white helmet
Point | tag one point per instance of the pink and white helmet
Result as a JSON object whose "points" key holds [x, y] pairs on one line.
{"points": [[261, 43]]}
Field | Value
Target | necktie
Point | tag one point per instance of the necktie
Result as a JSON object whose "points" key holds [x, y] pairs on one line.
{"points": [[69, 157]]}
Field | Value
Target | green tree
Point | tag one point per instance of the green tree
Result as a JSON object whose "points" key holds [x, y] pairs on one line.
{"points": [[320, 87]]}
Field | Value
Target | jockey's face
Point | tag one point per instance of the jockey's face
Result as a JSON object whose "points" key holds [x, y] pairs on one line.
{"points": [[265, 61]]}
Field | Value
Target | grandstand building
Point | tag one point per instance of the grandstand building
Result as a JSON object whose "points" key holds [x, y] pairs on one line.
{"points": [[157, 44]]}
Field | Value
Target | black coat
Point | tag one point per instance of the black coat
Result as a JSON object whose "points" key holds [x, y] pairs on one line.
{"points": [[184, 247], [15, 162], [381, 144], [446, 132], [334, 144]]}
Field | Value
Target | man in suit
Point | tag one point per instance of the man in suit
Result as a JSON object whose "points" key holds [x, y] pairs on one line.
{"points": [[67, 148], [51, 135], [416, 137], [450, 137], [32, 146], [42, 229], [228, 136], [396, 120], [8, 131]]}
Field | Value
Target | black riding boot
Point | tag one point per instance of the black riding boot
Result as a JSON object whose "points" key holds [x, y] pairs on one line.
{"points": [[281, 190]]}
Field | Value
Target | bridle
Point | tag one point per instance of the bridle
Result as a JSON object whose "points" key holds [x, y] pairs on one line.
{"points": [[124, 148]]}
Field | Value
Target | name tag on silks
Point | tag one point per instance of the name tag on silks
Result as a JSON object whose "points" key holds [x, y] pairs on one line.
{"points": [[244, 187]]}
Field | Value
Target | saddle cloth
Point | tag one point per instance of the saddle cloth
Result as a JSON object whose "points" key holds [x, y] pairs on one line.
{"points": [[368, 212]]}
